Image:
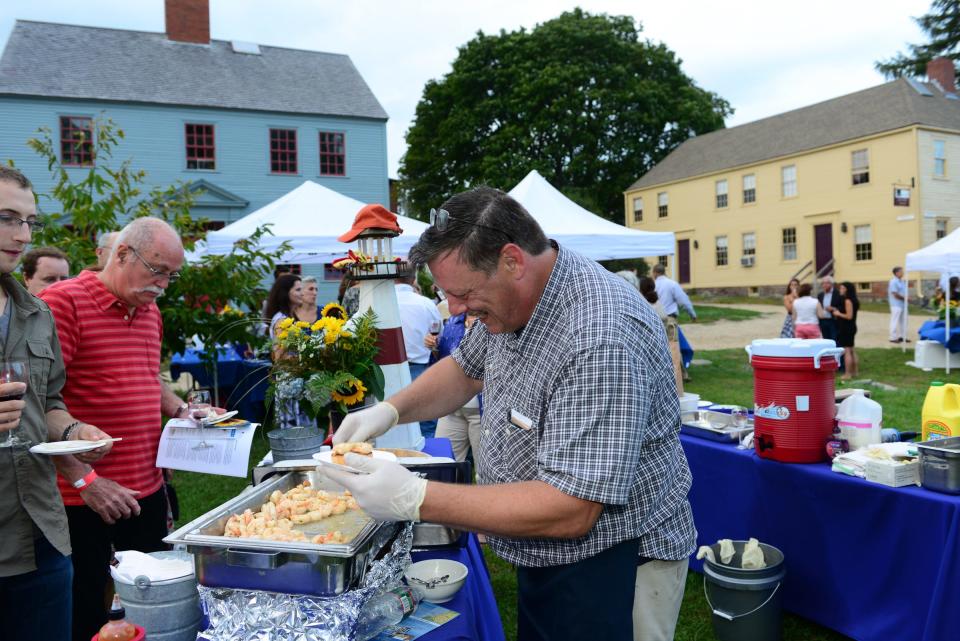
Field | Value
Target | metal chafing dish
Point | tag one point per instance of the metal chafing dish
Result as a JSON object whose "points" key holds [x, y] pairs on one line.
{"points": [[277, 566], [716, 426]]}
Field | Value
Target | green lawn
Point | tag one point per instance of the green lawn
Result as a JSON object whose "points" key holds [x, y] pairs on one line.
{"points": [[728, 379], [709, 314]]}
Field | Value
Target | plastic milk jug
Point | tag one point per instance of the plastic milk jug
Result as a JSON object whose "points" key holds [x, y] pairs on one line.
{"points": [[941, 411], [859, 420]]}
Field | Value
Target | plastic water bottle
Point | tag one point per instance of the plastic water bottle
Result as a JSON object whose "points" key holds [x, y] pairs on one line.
{"points": [[385, 610], [893, 435]]}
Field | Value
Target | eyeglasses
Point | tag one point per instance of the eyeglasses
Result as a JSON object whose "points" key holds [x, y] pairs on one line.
{"points": [[170, 276], [440, 218], [13, 222]]}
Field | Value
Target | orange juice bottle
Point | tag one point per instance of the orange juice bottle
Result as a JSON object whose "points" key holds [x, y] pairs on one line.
{"points": [[941, 411]]}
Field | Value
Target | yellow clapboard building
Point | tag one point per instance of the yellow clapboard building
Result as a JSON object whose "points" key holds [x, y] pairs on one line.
{"points": [[844, 187]]}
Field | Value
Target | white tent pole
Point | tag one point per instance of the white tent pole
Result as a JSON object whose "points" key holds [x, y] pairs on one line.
{"points": [[947, 330], [903, 321]]}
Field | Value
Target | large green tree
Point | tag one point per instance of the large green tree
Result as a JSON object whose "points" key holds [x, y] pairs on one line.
{"points": [[581, 98], [942, 26]]}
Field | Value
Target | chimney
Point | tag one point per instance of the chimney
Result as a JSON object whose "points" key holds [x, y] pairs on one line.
{"points": [[188, 20], [941, 71]]}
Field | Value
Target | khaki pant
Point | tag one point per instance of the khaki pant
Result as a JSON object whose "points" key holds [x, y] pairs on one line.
{"points": [[463, 429], [657, 599]]}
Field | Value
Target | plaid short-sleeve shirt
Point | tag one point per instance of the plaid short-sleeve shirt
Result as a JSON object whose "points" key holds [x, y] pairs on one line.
{"points": [[591, 374]]}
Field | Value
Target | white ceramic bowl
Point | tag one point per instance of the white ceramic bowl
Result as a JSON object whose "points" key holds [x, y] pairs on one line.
{"points": [[437, 579], [689, 401]]}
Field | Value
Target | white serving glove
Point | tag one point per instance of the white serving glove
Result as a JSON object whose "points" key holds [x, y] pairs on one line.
{"points": [[367, 424], [390, 492]]}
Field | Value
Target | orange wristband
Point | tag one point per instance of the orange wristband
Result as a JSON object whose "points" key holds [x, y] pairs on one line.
{"points": [[82, 484]]}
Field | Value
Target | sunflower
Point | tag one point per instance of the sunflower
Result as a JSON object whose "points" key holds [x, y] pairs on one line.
{"points": [[353, 394], [303, 324], [285, 323], [282, 334], [333, 310]]}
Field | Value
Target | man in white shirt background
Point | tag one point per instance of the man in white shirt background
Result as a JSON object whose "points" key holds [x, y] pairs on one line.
{"points": [[418, 315], [672, 297], [897, 297]]}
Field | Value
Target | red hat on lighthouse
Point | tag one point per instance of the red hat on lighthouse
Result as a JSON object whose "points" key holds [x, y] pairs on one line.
{"points": [[372, 217]]}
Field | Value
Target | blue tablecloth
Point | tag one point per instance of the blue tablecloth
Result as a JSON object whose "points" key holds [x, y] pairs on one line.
{"points": [[936, 331], [686, 350], [229, 367], [479, 618], [872, 562]]}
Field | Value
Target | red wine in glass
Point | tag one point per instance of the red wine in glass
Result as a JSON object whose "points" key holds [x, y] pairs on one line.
{"points": [[13, 372]]}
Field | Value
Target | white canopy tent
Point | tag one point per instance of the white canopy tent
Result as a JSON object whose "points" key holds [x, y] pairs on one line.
{"points": [[582, 231], [309, 218], [942, 256]]}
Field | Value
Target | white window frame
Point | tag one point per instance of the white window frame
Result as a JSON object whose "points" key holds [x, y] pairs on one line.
{"points": [[749, 189], [788, 181], [663, 205], [722, 189], [860, 167], [941, 228], [788, 250], [721, 250], [638, 209], [749, 240], [940, 158], [862, 243]]}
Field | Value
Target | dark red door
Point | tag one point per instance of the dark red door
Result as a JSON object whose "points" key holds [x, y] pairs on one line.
{"points": [[683, 260], [822, 245]]}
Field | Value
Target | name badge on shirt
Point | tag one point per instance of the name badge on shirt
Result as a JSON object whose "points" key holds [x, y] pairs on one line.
{"points": [[520, 420]]}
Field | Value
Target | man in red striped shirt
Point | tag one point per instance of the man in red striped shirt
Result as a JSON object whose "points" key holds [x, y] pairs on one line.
{"points": [[110, 330]]}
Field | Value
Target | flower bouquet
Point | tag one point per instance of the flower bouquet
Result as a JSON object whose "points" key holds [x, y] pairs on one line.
{"points": [[954, 311], [327, 365]]}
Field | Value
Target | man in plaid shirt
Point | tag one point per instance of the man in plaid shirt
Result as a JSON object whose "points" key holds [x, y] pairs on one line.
{"points": [[583, 482]]}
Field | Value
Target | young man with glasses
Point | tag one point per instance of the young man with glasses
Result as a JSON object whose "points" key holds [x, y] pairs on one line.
{"points": [[582, 481], [35, 568], [110, 330]]}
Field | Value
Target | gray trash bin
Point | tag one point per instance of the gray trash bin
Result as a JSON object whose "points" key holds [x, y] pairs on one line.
{"points": [[168, 610], [295, 443], [746, 604]]}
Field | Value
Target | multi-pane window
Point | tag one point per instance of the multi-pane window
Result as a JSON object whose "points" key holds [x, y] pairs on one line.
{"points": [[333, 154], [638, 209], [750, 244], [721, 250], [939, 158], [862, 242], [941, 228], [662, 204], [789, 243], [749, 189], [201, 149], [788, 180], [662, 261], [721, 194], [860, 166], [283, 151], [76, 140]]}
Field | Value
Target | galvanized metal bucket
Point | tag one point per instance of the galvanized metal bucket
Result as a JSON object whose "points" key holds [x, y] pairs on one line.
{"points": [[295, 443], [168, 610]]}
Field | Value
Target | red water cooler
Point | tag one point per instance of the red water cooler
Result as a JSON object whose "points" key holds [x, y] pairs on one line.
{"points": [[793, 397]]}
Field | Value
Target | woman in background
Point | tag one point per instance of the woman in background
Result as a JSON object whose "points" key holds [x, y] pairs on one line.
{"points": [[845, 317], [793, 287], [649, 291], [307, 311], [285, 295], [462, 426], [807, 312]]}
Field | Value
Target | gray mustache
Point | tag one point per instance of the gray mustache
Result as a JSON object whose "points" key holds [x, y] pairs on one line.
{"points": [[151, 289]]}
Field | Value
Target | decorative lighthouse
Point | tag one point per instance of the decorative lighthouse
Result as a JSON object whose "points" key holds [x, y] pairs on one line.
{"points": [[375, 269]]}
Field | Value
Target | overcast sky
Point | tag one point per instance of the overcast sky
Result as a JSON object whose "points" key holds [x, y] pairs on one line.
{"points": [[764, 57]]}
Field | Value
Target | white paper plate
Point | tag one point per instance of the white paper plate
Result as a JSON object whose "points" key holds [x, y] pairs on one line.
{"points": [[295, 464], [59, 448], [325, 459], [219, 417]]}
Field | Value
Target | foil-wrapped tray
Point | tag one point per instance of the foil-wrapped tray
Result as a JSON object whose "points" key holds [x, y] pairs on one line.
{"points": [[279, 566]]}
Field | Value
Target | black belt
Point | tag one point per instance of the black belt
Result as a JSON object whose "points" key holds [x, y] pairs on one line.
{"points": [[672, 315]]}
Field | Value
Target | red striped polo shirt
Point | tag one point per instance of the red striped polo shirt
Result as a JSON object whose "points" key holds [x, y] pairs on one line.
{"points": [[112, 359]]}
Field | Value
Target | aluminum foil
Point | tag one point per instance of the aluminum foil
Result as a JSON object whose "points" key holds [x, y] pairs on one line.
{"points": [[250, 615]]}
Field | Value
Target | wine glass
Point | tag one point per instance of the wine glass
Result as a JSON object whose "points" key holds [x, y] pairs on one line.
{"points": [[435, 327], [14, 372], [739, 418], [198, 404]]}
